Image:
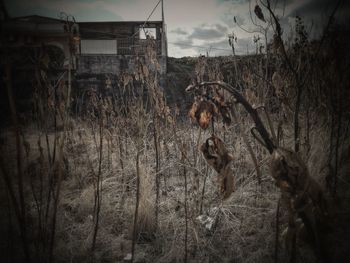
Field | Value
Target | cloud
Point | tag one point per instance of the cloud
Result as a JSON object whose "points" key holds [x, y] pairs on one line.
{"points": [[83, 10], [212, 32], [240, 19], [318, 8], [179, 31], [186, 43], [205, 33], [221, 28], [238, 11], [222, 44], [315, 14], [214, 48], [312, 7], [286, 3]]}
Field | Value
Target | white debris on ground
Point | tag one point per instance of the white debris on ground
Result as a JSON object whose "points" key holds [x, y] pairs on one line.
{"points": [[208, 220]]}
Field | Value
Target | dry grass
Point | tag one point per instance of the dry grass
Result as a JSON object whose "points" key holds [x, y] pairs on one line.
{"points": [[243, 228], [239, 229]]}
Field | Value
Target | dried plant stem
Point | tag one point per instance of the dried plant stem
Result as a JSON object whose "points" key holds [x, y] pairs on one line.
{"points": [[55, 205], [186, 209], [21, 205], [336, 165], [156, 147], [298, 83], [272, 129], [98, 190], [249, 147], [203, 189], [134, 236], [196, 174], [123, 181], [120, 144], [296, 120], [277, 230], [60, 158], [330, 155]]}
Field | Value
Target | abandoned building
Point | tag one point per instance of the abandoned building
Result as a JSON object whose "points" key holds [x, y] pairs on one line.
{"points": [[109, 43], [107, 49], [101, 49]]}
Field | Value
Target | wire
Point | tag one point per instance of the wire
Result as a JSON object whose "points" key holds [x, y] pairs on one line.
{"points": [[152, 11], [143, 26]]}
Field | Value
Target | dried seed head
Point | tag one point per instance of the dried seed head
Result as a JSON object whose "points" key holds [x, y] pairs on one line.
{"points": [[202, 111]]}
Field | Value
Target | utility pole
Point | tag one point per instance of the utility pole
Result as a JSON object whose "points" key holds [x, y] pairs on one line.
{"points": [[163, 12], [164, 50], [164, 40]]}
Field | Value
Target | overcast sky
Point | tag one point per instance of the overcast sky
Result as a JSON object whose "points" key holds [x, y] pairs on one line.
{"points": [[194, 26]]}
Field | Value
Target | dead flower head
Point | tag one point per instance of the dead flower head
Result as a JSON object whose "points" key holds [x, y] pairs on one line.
{"points": [[218, 157], [202, 111]]}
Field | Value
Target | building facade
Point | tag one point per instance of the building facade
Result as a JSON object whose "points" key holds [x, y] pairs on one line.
{"points": [[95, 52]]}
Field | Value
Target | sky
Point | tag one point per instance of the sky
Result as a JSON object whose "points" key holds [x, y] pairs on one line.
{"points": [[194, 27]]}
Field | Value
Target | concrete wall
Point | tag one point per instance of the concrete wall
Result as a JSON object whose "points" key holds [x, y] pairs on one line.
{"points": [[99, 64]]}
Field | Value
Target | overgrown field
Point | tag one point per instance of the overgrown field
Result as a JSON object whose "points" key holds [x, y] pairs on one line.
{"points": [[127, 175]]}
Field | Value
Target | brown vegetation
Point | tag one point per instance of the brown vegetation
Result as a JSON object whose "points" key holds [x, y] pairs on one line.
{"points": [[127, 178]]}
